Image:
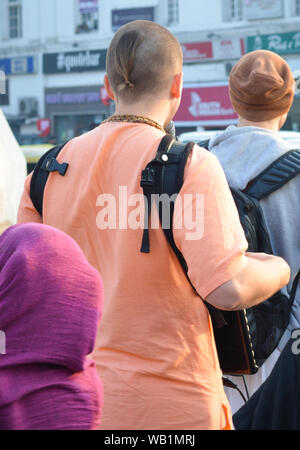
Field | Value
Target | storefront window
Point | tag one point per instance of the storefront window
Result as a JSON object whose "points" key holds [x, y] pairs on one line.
{"points": [[15, 19], [173, 12], [88, 16], [233, 10]]}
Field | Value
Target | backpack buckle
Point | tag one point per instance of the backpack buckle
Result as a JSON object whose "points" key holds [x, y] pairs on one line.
{"points": [[148, 178], [52, 165]]}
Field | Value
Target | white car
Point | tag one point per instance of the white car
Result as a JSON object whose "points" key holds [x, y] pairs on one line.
{"points": [[197, 136]]}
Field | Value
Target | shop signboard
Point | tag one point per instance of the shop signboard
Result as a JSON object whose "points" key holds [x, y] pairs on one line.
{"points": [[43, 127], [104, 96], [228, 49], [77, 99], [70, 62], [88, 6], [207, 105], [122, 16], [281, 43], [263, 9], [197, 51], [219, 49], [75, 96], [19, 65]]}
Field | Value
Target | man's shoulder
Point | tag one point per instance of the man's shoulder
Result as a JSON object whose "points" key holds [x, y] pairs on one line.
{"points": [[202, 157], [84, 141], [202, 167]]}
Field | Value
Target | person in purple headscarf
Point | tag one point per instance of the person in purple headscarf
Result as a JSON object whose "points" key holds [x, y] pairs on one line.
{"points": [[50, 305]]}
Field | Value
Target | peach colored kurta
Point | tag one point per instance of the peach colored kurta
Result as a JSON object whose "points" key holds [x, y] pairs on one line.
{"points": [[155, 350]]}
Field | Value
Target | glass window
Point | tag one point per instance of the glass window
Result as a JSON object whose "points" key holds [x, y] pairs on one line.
{"points": [[173, 12], [233, 10], [236, 10], [15, 19], [297, 7], [88, 16]]}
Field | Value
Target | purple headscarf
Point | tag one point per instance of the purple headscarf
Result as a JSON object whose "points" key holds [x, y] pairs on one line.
{"points": [[50, 305]]}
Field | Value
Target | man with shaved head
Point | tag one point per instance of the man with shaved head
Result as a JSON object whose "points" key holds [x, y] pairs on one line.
{"points": [[144, 57], [155, 349]]}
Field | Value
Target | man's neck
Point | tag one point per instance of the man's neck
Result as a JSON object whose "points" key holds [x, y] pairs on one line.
{"points": [[152, 112], [272, 125]]}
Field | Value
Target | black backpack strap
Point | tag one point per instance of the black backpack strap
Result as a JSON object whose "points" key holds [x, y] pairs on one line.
{"points": [[276, 175], [163, 175], [294, 288], [172, 178], [151, 181], [44, 167], [204, 144]]}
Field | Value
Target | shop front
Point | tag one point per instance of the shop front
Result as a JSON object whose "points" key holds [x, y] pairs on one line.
{"points": [[75, 110], [17, 106]]}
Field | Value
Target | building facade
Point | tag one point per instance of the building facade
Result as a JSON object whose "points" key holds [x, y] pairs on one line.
{"points": [[53, 56]]}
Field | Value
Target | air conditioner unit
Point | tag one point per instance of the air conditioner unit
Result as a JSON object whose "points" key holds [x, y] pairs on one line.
{"points": [[28, 107]]}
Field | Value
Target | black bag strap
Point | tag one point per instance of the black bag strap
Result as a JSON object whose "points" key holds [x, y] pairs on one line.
{"points": [[204, 144], [276, 175], [171, 183], [165, 175], [44, 167], [294, 288], [150, 178]]}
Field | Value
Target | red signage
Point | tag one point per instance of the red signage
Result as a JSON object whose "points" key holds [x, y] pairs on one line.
{"points": [[44, 127], [213, 50], [197, 51], [104, 96], [207, 105], [228, 49]]}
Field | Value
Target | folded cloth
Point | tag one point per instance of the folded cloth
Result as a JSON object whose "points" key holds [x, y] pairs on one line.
{"points": [[50, 305]]}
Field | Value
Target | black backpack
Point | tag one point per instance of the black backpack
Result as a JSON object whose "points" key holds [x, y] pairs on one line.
{"points": [[246, 338], [42, 170]]}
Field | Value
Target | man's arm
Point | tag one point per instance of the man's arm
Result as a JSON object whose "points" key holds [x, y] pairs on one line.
{"points": [[27, 212], [262, 276], [218, 266]]}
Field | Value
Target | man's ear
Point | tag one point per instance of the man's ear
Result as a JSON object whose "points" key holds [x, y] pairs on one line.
{"points": [[108, 88], [176, 90]]}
